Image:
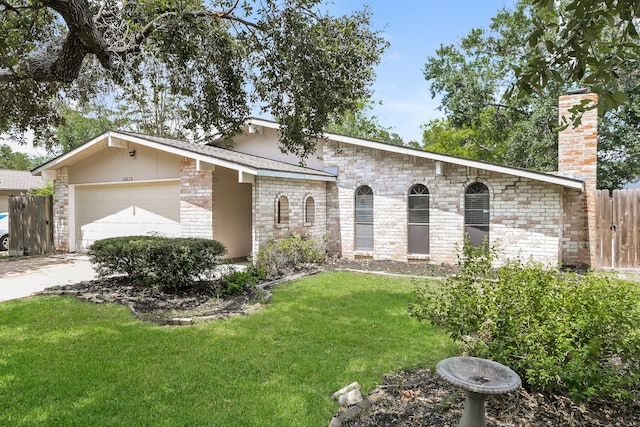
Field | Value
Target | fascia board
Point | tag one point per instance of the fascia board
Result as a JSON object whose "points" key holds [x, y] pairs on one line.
{"points": [[64, 158], [398, 149], [294, 175]]}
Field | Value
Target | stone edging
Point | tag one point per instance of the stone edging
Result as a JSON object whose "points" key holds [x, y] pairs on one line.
{"points": [[356, 409], [179, 321], [176, 321]]}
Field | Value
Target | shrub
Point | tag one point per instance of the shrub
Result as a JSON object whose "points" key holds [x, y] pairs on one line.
{"points": [[153, 261], [236, 281], [44, 190], [561, 332], [277, 258]]}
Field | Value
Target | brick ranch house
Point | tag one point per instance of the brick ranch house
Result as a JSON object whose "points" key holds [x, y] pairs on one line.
{"points": [[369, 199]]}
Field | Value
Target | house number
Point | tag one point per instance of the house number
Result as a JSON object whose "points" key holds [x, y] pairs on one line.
{"points": [[127, 178]]}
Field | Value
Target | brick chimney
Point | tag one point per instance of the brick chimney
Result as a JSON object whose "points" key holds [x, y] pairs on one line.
{"points": [[578, 158]]}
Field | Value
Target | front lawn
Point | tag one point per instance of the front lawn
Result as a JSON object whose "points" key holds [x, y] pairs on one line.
{"points": [[68, 363]]}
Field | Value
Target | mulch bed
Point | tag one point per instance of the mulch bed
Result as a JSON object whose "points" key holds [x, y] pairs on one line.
{"points": [[420, 398], [197, 304]]}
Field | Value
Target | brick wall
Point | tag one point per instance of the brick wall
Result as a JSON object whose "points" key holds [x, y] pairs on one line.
{"points": [[61, 210], [266, 192], [196, 201], [525, 214], [578, 157]]}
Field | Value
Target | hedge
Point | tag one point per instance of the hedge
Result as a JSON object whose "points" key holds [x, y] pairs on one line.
{"points": [[153, 261]]}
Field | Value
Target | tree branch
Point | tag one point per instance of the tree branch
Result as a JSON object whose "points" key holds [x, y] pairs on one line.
{"points": [[508, 107], [63, 63], [12, 8], [138, 39]]}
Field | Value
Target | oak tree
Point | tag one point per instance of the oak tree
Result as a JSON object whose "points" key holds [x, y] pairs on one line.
{"points": [[289, 58]]}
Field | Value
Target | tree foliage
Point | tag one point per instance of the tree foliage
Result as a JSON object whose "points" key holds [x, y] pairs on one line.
{"points": [[596, 44], [148, 106], [360, 124], [219, 59], [78, 126], [10, 159], [477, 80], [471, 78]]}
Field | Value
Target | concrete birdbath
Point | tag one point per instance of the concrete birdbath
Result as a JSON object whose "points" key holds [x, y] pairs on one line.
{"points": [[478, 378]]}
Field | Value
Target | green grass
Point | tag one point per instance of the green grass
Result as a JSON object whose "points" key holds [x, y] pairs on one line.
{"points": [[68, 363]]}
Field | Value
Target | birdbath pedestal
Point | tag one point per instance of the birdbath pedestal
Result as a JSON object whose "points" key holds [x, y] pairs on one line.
{"points": [[478, 378]]}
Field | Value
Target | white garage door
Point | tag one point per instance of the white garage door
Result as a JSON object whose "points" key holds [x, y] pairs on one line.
{"points": [[126, 210]]}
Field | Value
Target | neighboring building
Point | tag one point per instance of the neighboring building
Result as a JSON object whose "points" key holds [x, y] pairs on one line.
{"points": [[16, 182], [369, 199]]}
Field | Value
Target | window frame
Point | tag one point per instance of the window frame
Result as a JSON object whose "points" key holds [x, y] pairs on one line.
{"points": [[477, 214], [283, 215], [309, 211], [363, 219], [418, 220]]}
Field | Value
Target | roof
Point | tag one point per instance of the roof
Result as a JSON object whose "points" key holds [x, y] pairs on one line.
{"points": [[259, 166], [552, 178], [19, 180], [247, 163]]}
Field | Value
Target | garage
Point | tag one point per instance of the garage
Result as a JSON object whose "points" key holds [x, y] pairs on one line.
{"points": [[125, 209]]}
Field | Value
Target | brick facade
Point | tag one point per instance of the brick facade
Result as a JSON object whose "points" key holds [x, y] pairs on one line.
{"points": [[525, 215], [267, 191], [196, 201], [61, 232]]}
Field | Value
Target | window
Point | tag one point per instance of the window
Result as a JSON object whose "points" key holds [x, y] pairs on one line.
{"points": [[418, 218], [282, 211], [476, 214], [309, 211], [364, 219]]}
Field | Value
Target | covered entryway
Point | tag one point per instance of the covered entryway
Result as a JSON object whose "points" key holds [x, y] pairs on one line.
{"points": [[126, 209]]}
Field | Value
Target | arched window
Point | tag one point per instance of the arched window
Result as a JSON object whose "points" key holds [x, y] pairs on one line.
{"points": [[364, 219], [476, 215], [282, 211], [418, 219], [309, 211]]}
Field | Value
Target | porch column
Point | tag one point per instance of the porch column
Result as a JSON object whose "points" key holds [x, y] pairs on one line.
{"points": [[61, 210], [196, 200]]}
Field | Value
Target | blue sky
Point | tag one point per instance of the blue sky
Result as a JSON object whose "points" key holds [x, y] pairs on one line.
{"points": [[415, 30]]}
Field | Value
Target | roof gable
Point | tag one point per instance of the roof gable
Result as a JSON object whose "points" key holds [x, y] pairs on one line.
{"points": [[571, 182], [242, 162]]}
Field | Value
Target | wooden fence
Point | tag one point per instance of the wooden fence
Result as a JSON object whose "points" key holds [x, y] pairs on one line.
{"points": [[30, 225], [618, 225]]}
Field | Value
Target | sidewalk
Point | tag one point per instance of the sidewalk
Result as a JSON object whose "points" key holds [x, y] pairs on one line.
{"points": [[20, 278]]}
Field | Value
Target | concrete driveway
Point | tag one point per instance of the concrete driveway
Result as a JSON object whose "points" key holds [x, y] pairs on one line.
{"points": [[21, 277]]}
